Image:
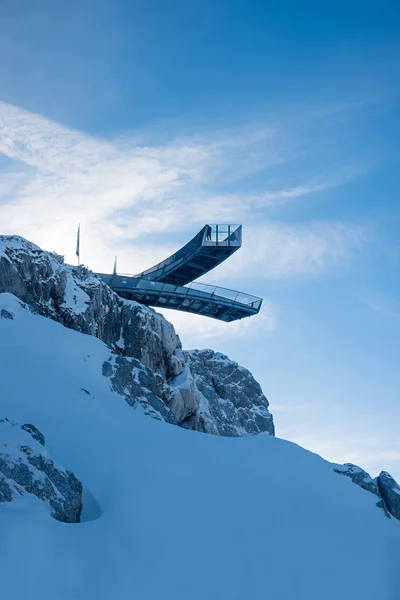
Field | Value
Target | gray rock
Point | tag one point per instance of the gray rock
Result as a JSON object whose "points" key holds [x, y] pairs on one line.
{"points": [[35, 433], [200, 391], [231, 400], [358, 476], [390, 492], [5, 490], [25, 468], [78, 299], [138, 385], [107, 369]]}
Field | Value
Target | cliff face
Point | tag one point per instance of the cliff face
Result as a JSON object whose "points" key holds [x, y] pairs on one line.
{"points": [[200, 390]]}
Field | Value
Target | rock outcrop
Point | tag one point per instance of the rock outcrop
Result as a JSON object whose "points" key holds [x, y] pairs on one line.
{"points": [[137, 384], [78, 299], [383, 486], [26, 469], [147, 364], [390, 492], [230, 398]]}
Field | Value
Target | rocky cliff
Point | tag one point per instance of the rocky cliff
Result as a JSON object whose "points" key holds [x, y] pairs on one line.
{"points": [[198, 390]]}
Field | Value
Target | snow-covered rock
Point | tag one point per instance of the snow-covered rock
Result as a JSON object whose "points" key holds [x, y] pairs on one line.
{"points": [[78, 299], [26, 469], [134, 381], [390, 493], [384, 487], [146, 362], [231, 400]]}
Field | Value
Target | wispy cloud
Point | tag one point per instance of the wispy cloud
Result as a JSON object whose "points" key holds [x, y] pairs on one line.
{"points": [[275, 251], [200, 331], [382, 304], [122, 189]]}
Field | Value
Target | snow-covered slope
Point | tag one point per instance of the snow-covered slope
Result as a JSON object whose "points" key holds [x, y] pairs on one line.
{"points": [[170, 513]]}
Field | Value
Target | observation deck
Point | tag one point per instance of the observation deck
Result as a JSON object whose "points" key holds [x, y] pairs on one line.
{"points": [[164, 285], [204, 252]]}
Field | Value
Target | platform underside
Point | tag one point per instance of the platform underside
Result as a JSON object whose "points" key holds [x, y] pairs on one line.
{"points": [[185, 298], [204, 260], [216, 308]]}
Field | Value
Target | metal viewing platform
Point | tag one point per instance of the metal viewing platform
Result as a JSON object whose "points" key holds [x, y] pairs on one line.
{"points": [[210, 247], [164, 285]]}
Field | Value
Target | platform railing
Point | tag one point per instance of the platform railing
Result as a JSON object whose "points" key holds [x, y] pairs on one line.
{"points": [[177, 258], [226, 235], [203, 290]]}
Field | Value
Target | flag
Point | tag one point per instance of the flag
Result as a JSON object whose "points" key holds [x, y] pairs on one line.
{"points": [[78, 242]]}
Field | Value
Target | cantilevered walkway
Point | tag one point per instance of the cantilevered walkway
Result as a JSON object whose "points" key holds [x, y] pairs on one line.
{"points": [[210, 247], [164, 285]]}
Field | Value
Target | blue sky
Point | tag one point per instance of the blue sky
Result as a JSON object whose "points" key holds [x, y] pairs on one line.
{"points": [[144, 120]]}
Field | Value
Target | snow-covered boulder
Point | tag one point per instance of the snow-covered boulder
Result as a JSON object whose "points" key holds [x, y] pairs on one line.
{"points": [[231, 400], [26, 469]]}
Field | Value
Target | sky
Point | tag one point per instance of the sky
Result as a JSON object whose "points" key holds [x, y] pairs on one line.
{"points": [[144, 120]]}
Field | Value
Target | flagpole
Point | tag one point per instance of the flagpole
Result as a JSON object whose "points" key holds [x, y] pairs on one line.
{"points": [[78, 245]]}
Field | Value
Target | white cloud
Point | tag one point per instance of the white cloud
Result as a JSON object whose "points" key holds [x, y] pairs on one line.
{"points": [[197, 331], [272, 251], [119, 190]]}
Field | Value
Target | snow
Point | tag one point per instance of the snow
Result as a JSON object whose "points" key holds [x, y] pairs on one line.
{"points": [[75, 299], [182, 381], [15, 243], [172, 514]]}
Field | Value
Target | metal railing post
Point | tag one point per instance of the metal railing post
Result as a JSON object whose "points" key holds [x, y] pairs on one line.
{"points": [[216, 233], [229, 235]]}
